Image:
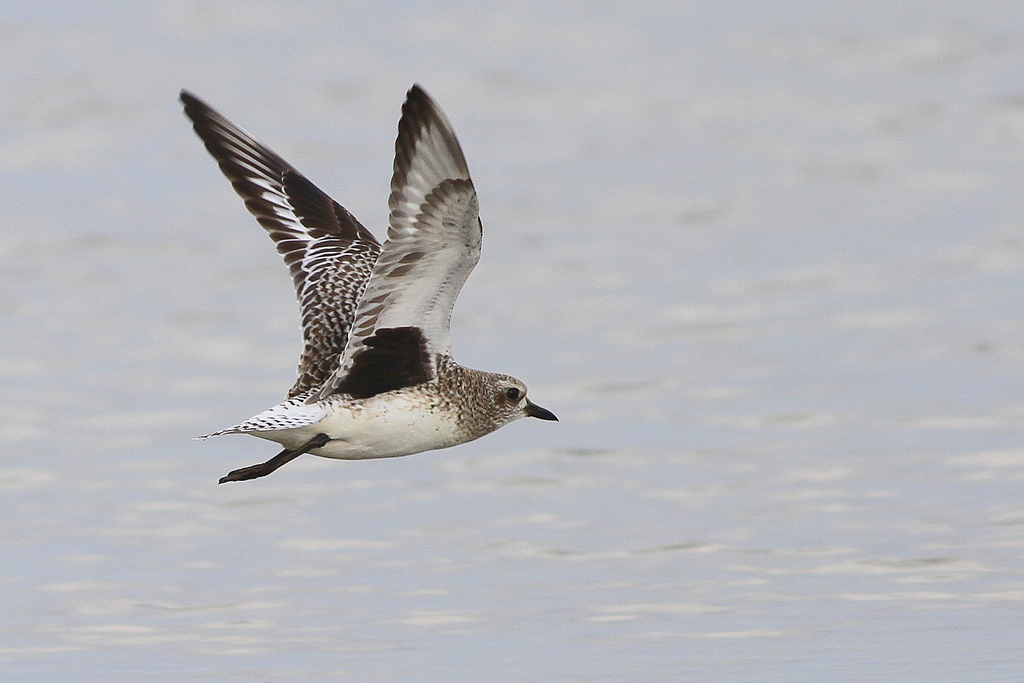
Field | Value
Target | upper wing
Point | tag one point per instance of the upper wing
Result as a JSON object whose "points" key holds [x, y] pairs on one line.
{"points": [[330, 255], [433, 243]]}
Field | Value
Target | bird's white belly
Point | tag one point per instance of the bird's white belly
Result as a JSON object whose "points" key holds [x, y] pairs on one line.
{"points": [[399, 425]]}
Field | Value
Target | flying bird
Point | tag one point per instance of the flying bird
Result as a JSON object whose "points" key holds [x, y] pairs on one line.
{"points": [[376, 378]]}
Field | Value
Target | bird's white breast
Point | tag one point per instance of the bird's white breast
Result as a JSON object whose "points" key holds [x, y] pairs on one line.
{"points": [[384, 426]]}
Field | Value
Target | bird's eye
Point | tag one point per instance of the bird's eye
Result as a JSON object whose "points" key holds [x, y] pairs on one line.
{"points": [[513, 394]]}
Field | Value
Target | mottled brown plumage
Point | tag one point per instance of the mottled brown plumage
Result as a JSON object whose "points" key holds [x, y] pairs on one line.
{"points": [[329, 253]]}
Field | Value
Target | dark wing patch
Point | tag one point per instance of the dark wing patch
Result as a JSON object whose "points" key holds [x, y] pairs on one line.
{"points": [[392, 358], [320, 214], [329, 254]]}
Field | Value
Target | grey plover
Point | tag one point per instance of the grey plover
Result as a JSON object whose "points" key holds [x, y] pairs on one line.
{"points": [[376, 378]]}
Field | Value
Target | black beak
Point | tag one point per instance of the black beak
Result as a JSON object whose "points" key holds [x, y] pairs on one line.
{"points": [[534, 410]]}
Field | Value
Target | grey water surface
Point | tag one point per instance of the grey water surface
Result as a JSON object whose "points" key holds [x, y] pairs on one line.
{"points": [[764, 260]]}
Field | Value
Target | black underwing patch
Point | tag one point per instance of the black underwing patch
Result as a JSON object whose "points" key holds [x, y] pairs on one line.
{"points": [[392, 358]]}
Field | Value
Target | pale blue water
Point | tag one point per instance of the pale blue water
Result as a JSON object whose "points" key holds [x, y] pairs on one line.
{"points": [[764, 260]]}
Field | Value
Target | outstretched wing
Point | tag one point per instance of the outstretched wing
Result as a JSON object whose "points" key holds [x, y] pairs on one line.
{"points": [[434, 233], [330, 255]]}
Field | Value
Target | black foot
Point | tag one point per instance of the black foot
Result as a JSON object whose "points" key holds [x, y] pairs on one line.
{"points": [[251, 472], [265, 468]]}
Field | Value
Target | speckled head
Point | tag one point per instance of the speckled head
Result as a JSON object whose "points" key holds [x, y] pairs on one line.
{"points": [[486, 400], [510, 399]]}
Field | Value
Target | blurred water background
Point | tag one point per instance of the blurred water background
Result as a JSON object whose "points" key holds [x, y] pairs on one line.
{"points": [[763, 259]]}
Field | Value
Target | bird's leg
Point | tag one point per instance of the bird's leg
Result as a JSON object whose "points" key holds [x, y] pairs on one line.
{"points": [[285, 456]]}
